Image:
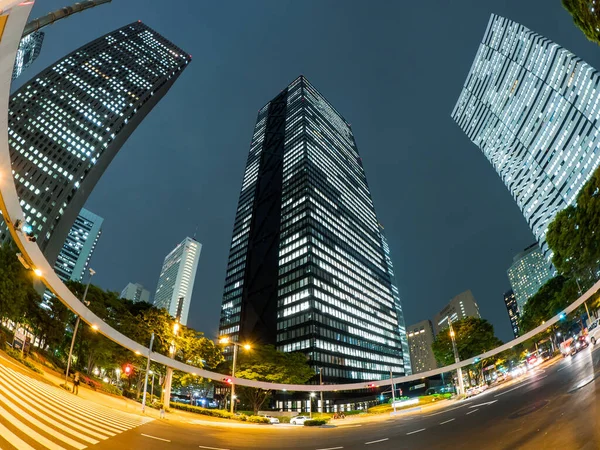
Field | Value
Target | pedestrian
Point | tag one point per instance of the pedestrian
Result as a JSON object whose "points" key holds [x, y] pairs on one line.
{"points": [[162, 412], [76, 384]]}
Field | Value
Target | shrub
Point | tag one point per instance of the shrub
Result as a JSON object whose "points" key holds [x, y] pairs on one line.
{"points": [[2, 340], [284, 419], [218, 413], [95, 385], [314, 423], [15, 354], [30, 365], [257, 419], [110, 388]]}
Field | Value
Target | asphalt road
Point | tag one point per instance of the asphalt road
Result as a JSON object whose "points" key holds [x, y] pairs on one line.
{"points": [[553, 408]]}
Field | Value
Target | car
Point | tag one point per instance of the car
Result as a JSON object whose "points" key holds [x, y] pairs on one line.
{"points": [[593, 335], [271, 419], [299, 420], [580, 343]]}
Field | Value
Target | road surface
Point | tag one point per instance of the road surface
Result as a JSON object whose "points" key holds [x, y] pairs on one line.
{"points": [[552, 408]]}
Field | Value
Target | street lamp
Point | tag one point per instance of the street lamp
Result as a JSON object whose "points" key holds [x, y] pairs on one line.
{"points": [[312, 395], [92, 273], [461, 388], [226, 341]]}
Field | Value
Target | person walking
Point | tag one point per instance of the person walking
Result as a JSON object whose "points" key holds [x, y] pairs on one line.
{"points": [[76, 382]]}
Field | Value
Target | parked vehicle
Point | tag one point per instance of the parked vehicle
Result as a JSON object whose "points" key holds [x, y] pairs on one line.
{"points": [[271, 419], [299, 420], [593, 335]]}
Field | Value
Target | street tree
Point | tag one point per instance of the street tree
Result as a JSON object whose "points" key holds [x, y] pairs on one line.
{"points": [[473, 337], [586, 17], [265, 363], [554, 296]]}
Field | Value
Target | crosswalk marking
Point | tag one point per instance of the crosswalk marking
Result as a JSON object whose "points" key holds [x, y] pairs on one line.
{"points": [[35, 415]]}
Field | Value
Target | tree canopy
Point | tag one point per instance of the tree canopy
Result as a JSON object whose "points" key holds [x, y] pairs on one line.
{"points": [[265, 363], [585, 17], [473, 337]]}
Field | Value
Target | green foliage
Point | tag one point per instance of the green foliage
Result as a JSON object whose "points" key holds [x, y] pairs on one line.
{"points": [[2, 340], [585, 19], [218, 413], [32, 366], [110, 389], [265, 363], [15, 354], [573, 236], [314, 422], [551, 299], [473, 337]]}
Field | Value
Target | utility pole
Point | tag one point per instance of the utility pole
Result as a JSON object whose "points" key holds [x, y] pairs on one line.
{"points": [[393, 389], [235, 350], [461, 388], [92, 272], [147, 373], [321, 383]]}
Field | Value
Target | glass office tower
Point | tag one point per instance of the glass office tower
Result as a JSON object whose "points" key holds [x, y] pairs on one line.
{"points": [[29, 49], [68, 122], [532, 108], [307, 269]]}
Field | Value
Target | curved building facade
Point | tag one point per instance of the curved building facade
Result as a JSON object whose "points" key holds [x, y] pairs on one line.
{"points": [[69, 121], [532, 107]]}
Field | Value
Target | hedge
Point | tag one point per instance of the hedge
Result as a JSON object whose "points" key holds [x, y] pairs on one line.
{"points": [[314, 423], [218, 413]]}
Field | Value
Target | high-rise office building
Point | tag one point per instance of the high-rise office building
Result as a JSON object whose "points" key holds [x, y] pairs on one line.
{"points": [[136, 293], [420, 340], [176, 281], [532, 108], [307, 270], [460, 307], [398, 303], [75, 255], [29, 49], [68, 122], [512, 308], [528, 273]]}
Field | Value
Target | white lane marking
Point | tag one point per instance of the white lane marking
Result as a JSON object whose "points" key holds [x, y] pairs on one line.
{"points": [[471, 412], [520, 386], [416, 431], [154, 437], [212, 448], [13, 439], [484, 404], [42, 426], [442, 423], [447, 410], [375, 442], [348, 426], [330, 448]]}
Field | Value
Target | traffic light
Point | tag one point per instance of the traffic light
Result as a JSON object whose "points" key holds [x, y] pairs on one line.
{"points": [[371, 385], [128, 370], [562, 316], [227, 380], [381, 398]]}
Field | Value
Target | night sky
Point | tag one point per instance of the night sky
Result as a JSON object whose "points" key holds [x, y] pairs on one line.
{"points": [[394, 69]]}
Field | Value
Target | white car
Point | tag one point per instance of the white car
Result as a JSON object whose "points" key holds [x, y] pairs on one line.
{"points": [[299, 420], [272, 419], [594, 332]]}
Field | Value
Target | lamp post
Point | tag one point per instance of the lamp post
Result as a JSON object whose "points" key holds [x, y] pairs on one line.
{"points": [[152, 387], [92, 273], [226, 341], [312, 395], [461, 388], [147, 373], [169, 375]]}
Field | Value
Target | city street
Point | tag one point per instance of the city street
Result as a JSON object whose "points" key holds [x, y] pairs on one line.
{"points": [[556, 407]]}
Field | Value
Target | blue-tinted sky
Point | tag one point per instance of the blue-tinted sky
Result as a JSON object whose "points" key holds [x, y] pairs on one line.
{"points": [[394, 69]]}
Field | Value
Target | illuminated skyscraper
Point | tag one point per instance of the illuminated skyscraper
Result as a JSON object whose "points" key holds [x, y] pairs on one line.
{"points": [[513, 311], [532, 108], [307, 266], [77, 249], [420, 341], [29, 49], [527, 274], [68, 122], [176, 281], [460, 307], [136, 293]]}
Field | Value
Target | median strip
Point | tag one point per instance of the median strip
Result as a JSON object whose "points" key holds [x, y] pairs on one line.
{"points": [[375, 442], [154, 437]]}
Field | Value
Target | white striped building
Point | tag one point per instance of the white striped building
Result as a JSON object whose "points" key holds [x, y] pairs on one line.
{"points": [[532, 107]]}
